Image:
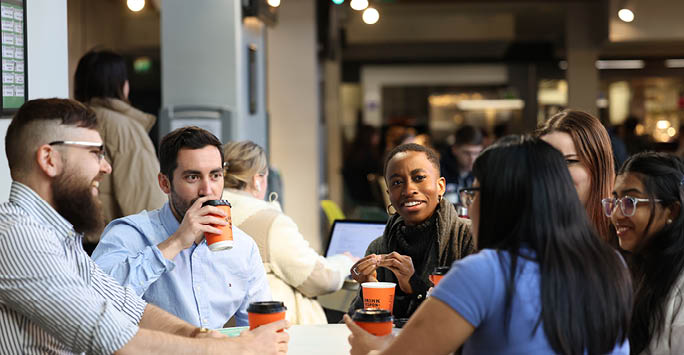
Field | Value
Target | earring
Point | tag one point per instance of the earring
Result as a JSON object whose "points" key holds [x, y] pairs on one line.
{"points": [[439, 198], [388, 209], [669, 221]]}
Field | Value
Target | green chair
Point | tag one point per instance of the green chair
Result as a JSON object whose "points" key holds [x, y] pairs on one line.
{"points": [[332, 210]]}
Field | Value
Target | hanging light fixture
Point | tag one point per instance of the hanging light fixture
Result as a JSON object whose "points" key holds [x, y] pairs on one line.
{"points": [[358, 5], [274, 3], [135, 5], [370, 16]]}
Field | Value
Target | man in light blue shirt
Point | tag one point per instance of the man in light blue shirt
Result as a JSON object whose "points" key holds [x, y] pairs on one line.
{"points": [[162, 254]]}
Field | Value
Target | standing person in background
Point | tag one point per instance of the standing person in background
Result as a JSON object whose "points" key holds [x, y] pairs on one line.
{"points": [[646, 210], [457, 161], [585, 144], [296, 273], [101, 82]]}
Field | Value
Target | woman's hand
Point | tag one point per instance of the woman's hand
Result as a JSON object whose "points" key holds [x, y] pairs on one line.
{"points": [[364, 270], [402, 267], [362, 342]]}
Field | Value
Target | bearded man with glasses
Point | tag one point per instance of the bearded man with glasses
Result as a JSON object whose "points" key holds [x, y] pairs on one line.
{"points": [[53, 297]]}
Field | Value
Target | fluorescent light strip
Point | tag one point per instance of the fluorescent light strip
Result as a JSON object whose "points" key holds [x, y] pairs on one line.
{"points": [[674, 63], [620, 64], [510, 104]]}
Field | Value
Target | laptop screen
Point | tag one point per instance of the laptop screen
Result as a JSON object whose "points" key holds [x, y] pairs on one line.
{"points": [[353, 236]]}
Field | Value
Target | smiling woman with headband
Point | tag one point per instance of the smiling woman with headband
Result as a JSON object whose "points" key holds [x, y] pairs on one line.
{"points": [[425, 232], [296, 273]]}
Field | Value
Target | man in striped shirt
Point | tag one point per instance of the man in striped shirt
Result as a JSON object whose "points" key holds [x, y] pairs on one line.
{"points": [[53, 298]]}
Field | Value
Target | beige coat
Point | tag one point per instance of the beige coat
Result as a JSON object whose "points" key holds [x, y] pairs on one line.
{"points": [[296, 273], [132, 186]]}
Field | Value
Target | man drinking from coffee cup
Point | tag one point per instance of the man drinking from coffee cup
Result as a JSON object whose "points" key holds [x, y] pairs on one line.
{"points": [[163, 254], [53, 298]]}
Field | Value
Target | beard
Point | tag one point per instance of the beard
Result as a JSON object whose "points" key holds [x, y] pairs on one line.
{"points": [[179, 205], [74, 200]]}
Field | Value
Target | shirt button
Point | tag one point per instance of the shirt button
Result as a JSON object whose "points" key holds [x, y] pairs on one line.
{"points": [[197, 288], [420, 296]]}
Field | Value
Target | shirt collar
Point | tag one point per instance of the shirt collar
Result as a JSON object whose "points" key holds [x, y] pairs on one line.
{"points": [[38, 208]]}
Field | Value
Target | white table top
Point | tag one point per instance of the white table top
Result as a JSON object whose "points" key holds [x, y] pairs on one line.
{"points": [[324, 339]]}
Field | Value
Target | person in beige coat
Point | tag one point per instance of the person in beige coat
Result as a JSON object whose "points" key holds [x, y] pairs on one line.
{"points": [[101, 83], [296, 272]]}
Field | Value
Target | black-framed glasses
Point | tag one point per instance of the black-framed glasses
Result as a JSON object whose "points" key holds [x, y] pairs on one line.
{"points": [[628, 205], [467, 194], [101, 150]]}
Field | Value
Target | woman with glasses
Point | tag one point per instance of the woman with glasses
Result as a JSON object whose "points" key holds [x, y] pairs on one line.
{"points": [[423, 233], [588, 153], [542, 282], [645, 209], [101, 82]]}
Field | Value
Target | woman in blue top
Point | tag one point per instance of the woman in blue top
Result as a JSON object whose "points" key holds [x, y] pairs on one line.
{"points": [[570, 292]]}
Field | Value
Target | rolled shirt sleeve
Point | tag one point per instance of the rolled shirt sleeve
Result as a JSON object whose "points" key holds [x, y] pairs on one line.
{"points": [[128, 260]]}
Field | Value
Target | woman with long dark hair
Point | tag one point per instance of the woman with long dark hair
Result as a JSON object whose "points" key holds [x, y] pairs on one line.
{"points": [[588, 153], [542, 283], [645, 209]]}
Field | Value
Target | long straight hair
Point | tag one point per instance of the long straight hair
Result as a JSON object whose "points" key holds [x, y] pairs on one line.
{"points": [[528, 201], [595, 151], [657, 263]]}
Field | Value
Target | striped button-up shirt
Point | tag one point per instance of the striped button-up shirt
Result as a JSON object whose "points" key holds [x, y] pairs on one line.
{"points": [[53, 298]]}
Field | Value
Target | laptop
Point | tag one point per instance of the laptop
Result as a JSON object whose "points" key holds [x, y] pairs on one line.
{"points": [[353, 236]]}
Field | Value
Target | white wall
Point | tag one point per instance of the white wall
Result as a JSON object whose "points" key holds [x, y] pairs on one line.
{"points": [[373, 78], [293, 104], [47, 64]]}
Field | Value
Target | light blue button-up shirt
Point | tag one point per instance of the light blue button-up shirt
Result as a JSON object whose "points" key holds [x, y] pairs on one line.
{"points": [[200, 286]]}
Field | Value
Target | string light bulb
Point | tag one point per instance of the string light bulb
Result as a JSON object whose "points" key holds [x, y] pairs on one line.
{"points": [[358, 5], [370, 16], [135, 5], [626, 15]]}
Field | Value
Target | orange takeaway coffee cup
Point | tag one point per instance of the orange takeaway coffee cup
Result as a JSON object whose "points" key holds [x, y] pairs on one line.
{"points": [[378, 295], [438, 274], [260, 313], [224, 240], [375, 321]]}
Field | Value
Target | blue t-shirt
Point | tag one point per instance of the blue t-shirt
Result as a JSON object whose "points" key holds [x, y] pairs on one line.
{"points": [[475, 287]]}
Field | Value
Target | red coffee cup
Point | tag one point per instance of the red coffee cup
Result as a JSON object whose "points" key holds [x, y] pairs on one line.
{"points": [[224, 240], [438, 274], [261, 313], [375, 321]]}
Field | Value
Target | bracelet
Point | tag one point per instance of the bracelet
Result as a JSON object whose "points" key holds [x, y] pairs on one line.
{"points": [[199, 331]]}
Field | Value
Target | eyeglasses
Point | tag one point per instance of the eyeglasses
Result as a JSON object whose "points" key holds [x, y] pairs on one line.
{"points": [[101, 150], [467, 195], [628, 205]]}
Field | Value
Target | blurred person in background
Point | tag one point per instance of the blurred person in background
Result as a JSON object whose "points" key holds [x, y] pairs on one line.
{"points": [[645, 208], [296, 272], [634, 142], [101, 82], [585, 144], [425, 232], [542, 282], [457, 161], [361, 159]]}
